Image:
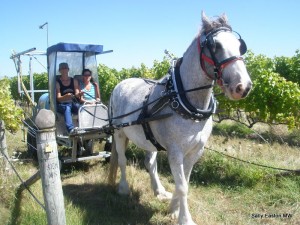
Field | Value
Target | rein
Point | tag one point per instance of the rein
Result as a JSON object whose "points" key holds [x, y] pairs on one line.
{"points": [[167, 95]]}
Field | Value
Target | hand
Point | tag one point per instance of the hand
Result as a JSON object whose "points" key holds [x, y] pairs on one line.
{"points": [[69, 95]]}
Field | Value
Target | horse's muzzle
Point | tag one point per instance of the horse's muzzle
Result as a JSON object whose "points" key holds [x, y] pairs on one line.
{"points": [[241, 90]]}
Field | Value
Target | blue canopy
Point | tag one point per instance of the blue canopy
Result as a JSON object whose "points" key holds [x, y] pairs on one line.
{"points": [[69, 47]]}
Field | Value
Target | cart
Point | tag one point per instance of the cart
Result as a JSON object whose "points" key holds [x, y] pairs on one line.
{"points": [[90, 119]]}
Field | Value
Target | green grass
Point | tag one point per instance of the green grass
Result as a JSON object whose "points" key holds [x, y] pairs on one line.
{"points": [[231, 129], [217, 169], [222, 190]]}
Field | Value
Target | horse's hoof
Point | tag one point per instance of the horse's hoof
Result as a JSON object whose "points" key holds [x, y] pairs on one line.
{"points": [[124, 189], [164, 196], [191, 222], [175, 214]]}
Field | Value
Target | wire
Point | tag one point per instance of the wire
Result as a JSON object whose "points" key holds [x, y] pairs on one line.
{"points": [[23, 183], [253, 163], [40, 63]]}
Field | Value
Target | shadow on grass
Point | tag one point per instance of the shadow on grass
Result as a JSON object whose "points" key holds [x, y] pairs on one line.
{"points": [[16, 210], [100, 204]]}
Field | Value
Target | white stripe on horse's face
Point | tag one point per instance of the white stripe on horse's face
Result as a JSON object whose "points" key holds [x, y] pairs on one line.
{"points": [[236, 80]]}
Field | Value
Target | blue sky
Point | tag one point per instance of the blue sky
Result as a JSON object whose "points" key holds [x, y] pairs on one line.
{"points": [[140, 31]]}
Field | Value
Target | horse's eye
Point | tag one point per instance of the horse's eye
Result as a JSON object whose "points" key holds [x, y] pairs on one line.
{"points": [[218, 46]]}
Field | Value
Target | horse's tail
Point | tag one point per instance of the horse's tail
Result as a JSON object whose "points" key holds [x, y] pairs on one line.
{"points": [[113, 168]]}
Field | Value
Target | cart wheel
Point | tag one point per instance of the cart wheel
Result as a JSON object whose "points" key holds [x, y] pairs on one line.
{"points": [[80, 149], [31, 145], [88, 146]]}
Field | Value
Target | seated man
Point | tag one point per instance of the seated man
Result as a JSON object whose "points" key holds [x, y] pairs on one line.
{"points": [[66, 90]]}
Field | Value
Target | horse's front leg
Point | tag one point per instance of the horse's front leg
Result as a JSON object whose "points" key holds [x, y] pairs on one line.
{"points": [[179, 205], [151, 165], [189, 161]]}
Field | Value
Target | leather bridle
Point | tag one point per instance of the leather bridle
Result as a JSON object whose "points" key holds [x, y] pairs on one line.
{"points": [[205, 40]]}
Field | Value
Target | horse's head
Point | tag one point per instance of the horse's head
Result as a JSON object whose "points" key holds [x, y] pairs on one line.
{"points": [[221, 51]]}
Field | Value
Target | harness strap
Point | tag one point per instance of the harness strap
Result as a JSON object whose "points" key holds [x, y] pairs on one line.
{"points": [[146, 127], [182, 105]]}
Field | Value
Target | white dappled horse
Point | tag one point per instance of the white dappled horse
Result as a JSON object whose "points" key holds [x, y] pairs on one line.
{"points": [[186, 93]]}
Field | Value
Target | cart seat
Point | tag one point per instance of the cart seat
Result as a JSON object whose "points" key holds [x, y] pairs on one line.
{"points": [[90, 116]]}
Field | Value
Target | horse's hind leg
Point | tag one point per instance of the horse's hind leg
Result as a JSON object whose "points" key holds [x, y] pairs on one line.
{"points": [[151, 165], [121, 145]]}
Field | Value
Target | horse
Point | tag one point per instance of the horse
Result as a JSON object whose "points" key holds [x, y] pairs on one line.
{"points": [[183, 102]]}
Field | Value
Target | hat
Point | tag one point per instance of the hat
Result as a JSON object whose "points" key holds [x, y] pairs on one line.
{"points": [[63, 66]]}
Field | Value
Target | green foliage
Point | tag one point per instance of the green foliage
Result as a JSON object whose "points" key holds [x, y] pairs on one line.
{"points": [[109, 78], [160, 69], [289, 67], [40, 83], [273, 98], [9, 113], [14, 88], [236, 129]]}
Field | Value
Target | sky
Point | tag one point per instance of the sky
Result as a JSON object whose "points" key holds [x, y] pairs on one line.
{"points": [[139, 31]]}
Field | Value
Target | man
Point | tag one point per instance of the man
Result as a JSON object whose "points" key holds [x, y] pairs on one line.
{"points": [[66, 90]]}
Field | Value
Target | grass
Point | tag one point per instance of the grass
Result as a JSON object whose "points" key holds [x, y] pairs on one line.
{"points": [[222, 190]]}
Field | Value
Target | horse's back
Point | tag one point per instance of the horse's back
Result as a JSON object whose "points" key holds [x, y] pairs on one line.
{"points": [[128, 96]]}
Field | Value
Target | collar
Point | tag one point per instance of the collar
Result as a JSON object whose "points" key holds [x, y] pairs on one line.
{"points": [[180, 103]]}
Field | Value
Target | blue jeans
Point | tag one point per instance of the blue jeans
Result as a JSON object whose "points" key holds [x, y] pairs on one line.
{"points": [[67, 109]]}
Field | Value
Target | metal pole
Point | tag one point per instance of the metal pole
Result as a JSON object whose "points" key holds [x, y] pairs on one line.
{"points": [[31, 79], [16, 57], [42, 27], [47, 36]]}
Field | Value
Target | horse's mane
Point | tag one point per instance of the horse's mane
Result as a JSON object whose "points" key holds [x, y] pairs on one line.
{"points": [[209, 24]]}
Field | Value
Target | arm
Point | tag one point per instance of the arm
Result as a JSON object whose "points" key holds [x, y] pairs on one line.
{"points": [[80, 94], [97, 93], [77, 90]]}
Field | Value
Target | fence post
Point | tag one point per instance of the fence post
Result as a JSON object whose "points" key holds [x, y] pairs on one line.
{"points": [[49, 167], [3, 146]]}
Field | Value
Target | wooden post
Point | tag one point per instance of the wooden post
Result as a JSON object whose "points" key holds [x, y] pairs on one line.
{"points": [[49, 167], [3, 146]]}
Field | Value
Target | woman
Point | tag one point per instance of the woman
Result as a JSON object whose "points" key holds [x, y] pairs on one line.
{"points": [[89, 90]]}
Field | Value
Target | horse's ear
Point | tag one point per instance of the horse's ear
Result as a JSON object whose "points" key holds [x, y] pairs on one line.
{"points": [[206, 23], [223, 19]]}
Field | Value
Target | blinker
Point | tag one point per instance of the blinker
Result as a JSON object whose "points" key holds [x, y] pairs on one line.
{"points": [[243, 47], [208, 39]]}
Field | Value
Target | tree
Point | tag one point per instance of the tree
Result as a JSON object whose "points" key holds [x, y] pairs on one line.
{"points": [[109, 78], [9, 113], [274, 99]]}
